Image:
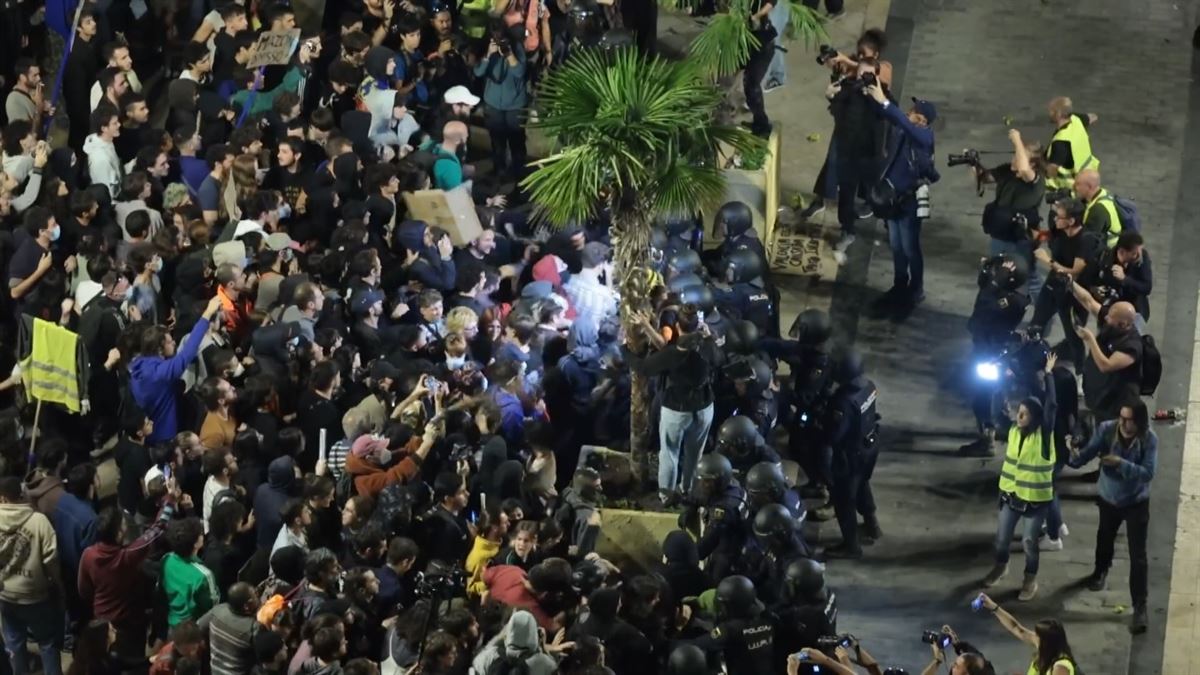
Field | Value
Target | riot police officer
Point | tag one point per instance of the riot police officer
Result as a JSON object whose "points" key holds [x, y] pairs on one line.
{"points": [[688, 659], [750, 392], [684, 261], [810, 358], [747, 293], [738, 439], [778, 542], [853, 429], [765, 485], [744, 635], [999, 308], [682, 233], [735, 222], [718, 507], [808, 610]]}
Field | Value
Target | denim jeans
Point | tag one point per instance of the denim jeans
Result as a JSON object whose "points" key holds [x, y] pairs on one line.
{"points": [[1137, 524], [681, 438], [508, 141], [908, 263], [1034, 515], [43, 623], [777, 70], [1024, 251], [752, 79], [1054, 519]]}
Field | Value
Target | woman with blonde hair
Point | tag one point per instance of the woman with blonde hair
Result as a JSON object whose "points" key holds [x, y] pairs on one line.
{"points": [[464, 321]]}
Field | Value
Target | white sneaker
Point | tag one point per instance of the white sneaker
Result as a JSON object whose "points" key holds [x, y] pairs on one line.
{"points": [[839, 257], [1063, 531], [844, 242], [1048, 544]]}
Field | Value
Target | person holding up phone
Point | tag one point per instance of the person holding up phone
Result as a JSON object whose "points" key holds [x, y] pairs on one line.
{"points": [[1128, 451]]}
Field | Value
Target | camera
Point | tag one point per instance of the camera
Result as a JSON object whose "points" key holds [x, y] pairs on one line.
{"points": [[450, 582], [968, 157], [826, 53], [828, 643], [931, 637], [1055, 196], [503, 43], [868, 79]]}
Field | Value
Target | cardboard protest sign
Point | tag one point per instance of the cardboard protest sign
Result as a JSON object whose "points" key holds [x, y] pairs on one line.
{"points": [[451, 210], [274, 49]]}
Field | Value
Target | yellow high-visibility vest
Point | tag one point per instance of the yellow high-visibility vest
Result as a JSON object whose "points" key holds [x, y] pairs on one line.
{"points": [[1114, 219], [1026, 473], [50, 374], [1081, 152]]}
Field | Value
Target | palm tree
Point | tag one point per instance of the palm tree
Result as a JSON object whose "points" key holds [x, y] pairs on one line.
{"points": [[636, 137], [724, 46]]}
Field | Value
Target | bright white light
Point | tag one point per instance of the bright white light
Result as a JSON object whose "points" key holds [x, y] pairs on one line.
{"points": [[988, 371]]}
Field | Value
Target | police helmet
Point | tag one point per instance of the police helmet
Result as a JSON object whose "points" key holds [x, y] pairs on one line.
{"points": [[774, 520], [687, 660], [678, 226], [683, 281], [684, 261], [849, 367], [738, 436], [742, 266], [745, 337], [736, 598], [658, 243], [805, 577], [715, 467], [735, 217], [811, 327], [765, 480], [699, 295]]}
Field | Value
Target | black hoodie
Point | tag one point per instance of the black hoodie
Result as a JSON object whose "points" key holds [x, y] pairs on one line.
{"points": [[270, 498]]}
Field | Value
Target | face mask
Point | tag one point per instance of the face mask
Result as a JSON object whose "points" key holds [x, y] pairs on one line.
{"points": [[158, 264], [128, 295], [260, 174], [288, 255], [455, 362], [55, 233], [384, 457], [285, 211], [238, 370]]}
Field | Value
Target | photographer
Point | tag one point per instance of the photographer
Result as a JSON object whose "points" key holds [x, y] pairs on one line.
{"points": [[1011, 219], [1104, 221], [1067, 256], [503, 73], [1052, 655], [1125, 268], [1112, 371], [999, 309], [859, 134], [908, 171]]}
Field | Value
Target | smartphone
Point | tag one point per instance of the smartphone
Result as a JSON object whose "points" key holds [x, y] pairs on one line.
{"points": [[431, 382], [166, 472], [473, 517], [977, 603]]}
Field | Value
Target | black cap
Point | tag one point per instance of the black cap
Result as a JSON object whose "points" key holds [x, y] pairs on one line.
{"points": [[267, 644]]}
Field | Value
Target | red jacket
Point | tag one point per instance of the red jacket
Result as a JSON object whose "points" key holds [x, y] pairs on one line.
{"points": [[370, 479], [111, 579], [506, 583]]}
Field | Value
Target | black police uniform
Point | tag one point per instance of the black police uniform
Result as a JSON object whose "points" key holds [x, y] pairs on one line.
{"points": [[748, 645], [807, 612], [812, 382], [722, 529], [852, 439]]}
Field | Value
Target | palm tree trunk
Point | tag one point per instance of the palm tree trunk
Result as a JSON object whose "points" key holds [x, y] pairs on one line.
{"points": [[631, 261]]}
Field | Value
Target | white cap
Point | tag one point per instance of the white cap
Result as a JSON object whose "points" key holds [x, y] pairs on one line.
{"points": [[247, 226], [85, 293], [460, 94]]}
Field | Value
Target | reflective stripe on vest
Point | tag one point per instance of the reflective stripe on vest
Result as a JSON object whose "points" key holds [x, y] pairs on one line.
{"points": [[1076, 135], [1026, 473], [1114, 219]]}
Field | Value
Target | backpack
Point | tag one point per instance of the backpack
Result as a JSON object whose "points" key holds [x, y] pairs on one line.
{"points": [[1151, 366], [343, 489], [15, 547], [1127, 213]]}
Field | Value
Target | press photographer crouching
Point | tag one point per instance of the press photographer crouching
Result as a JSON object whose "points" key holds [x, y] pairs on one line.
{"points": [[1125, 268], [1011, 219], [999, 308]]}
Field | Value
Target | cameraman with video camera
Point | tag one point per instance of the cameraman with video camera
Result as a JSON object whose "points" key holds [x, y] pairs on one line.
{"points": [[1011, 219], [1067, 256]]}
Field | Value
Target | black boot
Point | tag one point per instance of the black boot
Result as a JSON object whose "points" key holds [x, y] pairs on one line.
{"points": [[1098, 581]]}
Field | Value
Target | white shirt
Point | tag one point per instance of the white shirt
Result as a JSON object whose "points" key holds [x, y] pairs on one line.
{"points": [[134, 85], [211, 489]]}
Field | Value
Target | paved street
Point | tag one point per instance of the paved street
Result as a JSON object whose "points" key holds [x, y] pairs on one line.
{"points": [[1132, 64]]}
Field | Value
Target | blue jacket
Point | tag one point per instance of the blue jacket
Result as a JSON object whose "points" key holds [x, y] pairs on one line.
{"points": [[1127, 483], [512, 417], [74, 523], [909, 152], [152, 380]]}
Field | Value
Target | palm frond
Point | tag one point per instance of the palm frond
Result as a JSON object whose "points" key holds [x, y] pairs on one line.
{"points": [[804, 23], [724, 45], [686, 188], [564, 187]]}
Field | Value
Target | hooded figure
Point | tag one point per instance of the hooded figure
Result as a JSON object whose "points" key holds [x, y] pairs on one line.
{"points": [[681, 568], [519, 643], [506, 482], [430, 269], [634, 656], [379, 99], [62, 164], [270, 498]]}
